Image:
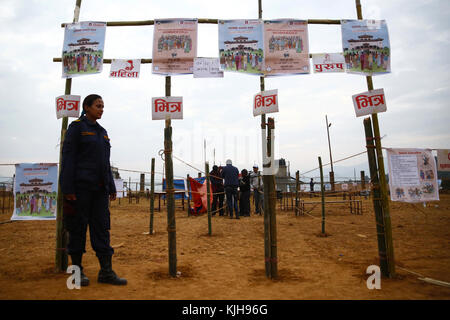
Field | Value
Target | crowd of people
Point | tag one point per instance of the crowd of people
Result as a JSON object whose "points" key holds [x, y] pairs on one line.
{"points": [[234, 186], [82, 62]]}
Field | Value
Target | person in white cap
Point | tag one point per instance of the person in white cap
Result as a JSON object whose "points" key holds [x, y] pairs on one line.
{"points": [[230, 175], [256, 184]]}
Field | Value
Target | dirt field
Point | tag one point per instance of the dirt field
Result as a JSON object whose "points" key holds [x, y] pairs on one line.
{"points": [[230, 263]]}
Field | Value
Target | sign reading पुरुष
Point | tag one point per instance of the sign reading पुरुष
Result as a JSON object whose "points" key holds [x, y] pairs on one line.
{"points": [[328, 62]]}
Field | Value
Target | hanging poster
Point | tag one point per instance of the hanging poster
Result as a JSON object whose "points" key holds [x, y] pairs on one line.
{"points": [[119, 188], [412, 175], [68, 106], [123, 68], [174, 46], [369, 102], [366, 46], [35, 191], [286, 47], [265, 102], [328, 62], [443, 156], [207, 68], [241, 46], [83, 48], [167, 106]]}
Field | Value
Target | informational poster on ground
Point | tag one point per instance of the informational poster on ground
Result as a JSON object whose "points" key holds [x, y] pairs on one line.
{"points": [[163, 107], [83, 48], [120, 190], [328, 62], [265, 102], [241, 47], [174, 46], [68, 106], [286, 47], [366, 46], [207, 68], [412, 175], [443, 156], [35, 191], [369, 102], [125, 68]]}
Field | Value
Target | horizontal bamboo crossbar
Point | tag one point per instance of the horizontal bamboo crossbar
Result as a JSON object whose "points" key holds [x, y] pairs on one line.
{"points": [[209, 21]]}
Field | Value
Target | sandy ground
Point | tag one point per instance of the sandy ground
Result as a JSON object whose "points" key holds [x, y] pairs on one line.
{"points": [[230, 263]]}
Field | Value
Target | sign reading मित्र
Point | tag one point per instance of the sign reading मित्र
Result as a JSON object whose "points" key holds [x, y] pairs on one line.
{"points": [[35, 191], [83, 48], [265, 102], [68, 106], [369, 102], [412, 175], [167, 106]]}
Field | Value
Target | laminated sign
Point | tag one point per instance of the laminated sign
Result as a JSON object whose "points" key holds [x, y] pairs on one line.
{"points": [[265, 102], [443, 156], [207, 68], [369, 102], [328, 62], [412, 175], [68, 106], [163, 107], [122, 68]]}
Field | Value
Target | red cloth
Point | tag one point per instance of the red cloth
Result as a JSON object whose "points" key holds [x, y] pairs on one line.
{"points": [[199, 196]]}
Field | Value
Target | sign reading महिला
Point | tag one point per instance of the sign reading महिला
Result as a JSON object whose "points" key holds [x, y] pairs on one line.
{"points": [[123, 68], [369, 102], [265, 102], [67, 106], [167, 106]]}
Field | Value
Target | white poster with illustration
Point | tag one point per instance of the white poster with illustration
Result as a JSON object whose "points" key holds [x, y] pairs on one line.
{"points": [[35, 191], [412, 175]]}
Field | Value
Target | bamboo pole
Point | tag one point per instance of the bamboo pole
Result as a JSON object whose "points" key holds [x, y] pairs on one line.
{"points": [[152, 194], [297, 189], [272, 209], [382, 176], [208, 197], [322, 192], [188, 188], [377, 201], [171, 225], [61, 260]]}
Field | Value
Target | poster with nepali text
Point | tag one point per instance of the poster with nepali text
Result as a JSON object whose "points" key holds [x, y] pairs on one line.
{"points": [[286, 47], [366, 46], [35, 191], [412, 175], [241, 46], [328, 62], [443, 156], [83, 48], [174, 46]]}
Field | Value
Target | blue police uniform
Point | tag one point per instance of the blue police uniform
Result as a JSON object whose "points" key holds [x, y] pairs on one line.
{"points": [[86, 172]]}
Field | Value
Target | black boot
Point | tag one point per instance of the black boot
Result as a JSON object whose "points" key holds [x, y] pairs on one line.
{"points": [[106, 274], [76, 261]]}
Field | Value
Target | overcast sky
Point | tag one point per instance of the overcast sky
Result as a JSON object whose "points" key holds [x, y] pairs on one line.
{"points": [[220, 110]]}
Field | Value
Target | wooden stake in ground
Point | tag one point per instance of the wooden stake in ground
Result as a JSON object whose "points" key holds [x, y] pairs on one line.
{"points": [[297, 190], [61, 260], [208, 197], [322, 192], [382, 176], [152, 194]]}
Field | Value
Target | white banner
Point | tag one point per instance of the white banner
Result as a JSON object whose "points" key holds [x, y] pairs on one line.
{"points": [[328, 62], [207, 68], [122, 68], [119, 188], [167, 106], [68, 106], [369, 102], [265, 102], [412, 175], [35, 191], [443, 156]]}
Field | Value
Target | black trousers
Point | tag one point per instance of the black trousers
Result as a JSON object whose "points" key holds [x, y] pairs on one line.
{"points": [[218, 199], [244, 203], [91, 208]]}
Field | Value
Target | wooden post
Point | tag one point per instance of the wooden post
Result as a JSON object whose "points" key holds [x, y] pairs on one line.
{"points": [[377, 205], [363, 181], [61, 260], [322, 190], [152, 194], [382, 176], [171, 225], [188, 187], [272, 207], [129, 189], [208, 196]]}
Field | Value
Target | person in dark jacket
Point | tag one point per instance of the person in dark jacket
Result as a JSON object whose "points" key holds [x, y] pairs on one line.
{"points": [[244, 190], [217, 189], [231, 176], [87, 185]]}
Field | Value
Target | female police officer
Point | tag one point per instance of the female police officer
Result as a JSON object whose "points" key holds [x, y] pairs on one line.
{"points": [[87, 183]]}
